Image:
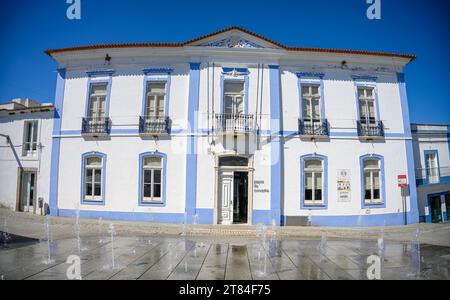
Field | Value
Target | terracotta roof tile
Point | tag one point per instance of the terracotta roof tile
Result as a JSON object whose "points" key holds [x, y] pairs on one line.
{"points": [[189, 42]]}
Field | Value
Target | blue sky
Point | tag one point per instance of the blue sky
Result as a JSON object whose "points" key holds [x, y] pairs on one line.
{"points": [[420, 27]]}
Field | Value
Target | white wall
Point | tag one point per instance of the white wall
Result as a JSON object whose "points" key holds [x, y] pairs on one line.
{"points": [[13, 126]]}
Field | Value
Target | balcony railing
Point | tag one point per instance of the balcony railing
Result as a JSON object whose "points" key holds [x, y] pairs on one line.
{"points": [[313, 129], [96, 126], [371, 130], [153, 125], [432, 175], [235, 123]]}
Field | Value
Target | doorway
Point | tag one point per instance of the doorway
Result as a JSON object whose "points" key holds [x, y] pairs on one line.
{"points": [[27, 201], [233, 192], [240, 198], [436, 209], [447, 206]]}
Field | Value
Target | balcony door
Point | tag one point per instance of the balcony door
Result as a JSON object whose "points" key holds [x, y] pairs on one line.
{"points": [[233, 98], [367, 106], [432, 167], [311, 104], [97, 102], [156, 98]]}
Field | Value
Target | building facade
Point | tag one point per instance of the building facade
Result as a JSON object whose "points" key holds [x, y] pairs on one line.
{"points": [[432, 159], [232, 128], [25, 155]]}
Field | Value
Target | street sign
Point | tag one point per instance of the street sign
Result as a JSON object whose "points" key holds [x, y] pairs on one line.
{"points": [[402, 181]]}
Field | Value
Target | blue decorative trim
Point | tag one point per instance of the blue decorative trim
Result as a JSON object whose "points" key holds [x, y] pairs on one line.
{"points": [[175, 218], [364, 78], [404, 103], [310, 75], [83, 164], [423, 182], [163, 178], [262, 217], [324, 160], [235, 71], [191, 154], [383, 181], [302, 81], [91, 82], [394, 219], [276, 146], [205, 216], [56, 141], [95, 73], [147, 80], [234, 42], [156, 71]]}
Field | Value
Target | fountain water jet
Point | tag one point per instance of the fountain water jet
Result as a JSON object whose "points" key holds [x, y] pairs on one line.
{"points": [[48, 260]]}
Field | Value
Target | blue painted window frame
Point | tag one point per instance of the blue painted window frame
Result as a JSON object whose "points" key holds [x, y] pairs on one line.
{"points": [[97, 78], [382, 204], [305, 78], [163, 156], [157, 75], [84, 157], [324, 160], [425, 153], [242, 77], [367, 82]]}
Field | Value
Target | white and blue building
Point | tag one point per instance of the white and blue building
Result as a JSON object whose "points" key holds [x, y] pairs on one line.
{"points": [[232, 128]]}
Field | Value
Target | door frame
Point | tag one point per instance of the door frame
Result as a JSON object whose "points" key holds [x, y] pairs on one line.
{"points": [[249, 169], [20, 173]]}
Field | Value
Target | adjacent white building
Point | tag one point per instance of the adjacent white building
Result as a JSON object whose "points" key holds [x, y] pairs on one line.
{"points": [[25, 155], [432, 159], [232, 128]]}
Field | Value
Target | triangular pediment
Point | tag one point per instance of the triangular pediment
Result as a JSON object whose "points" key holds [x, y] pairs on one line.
{"points": [[234, 38]]}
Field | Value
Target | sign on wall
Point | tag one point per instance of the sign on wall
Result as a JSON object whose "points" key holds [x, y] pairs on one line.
{"points": [[402, 181], [344, 186]]}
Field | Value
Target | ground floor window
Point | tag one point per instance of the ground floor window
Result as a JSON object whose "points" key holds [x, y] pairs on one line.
{"points": [[313, 181], [372, 180], [152, 178], [93, 178]]}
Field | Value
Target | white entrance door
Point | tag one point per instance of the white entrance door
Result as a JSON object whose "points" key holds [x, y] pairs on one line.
{"points": [[28, 192], [226, 198]]}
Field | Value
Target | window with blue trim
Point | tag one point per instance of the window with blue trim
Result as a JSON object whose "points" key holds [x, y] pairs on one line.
{"points": [[152, 174], [97, 101], [234, 93], [155, 99], [366, 102], [93, 179], [372, 181], [313, 185], [432, 166], [311, 103]]}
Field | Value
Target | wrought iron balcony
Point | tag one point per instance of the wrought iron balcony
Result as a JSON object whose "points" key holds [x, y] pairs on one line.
{"points": [[96, 126], [371, 130], [312, 129], [153, 125], [235, 124]]}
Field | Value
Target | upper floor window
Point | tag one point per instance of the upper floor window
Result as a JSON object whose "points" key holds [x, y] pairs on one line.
{"points": [[313, 174], [234, 93], [152, 179], [97, 101], [93, 179], [372, 181], [311, 103], [30, 138], [366, 99], [432, 166], [155, 99]]}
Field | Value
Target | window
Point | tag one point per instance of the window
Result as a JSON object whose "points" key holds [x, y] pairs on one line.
{"points": [[97, 101], [366, 105], [431, 163], [313, 175], [152, 179], [30, 138], [311, 103], [372, 181], [234, 97], [156, 98], [93, 166]]}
